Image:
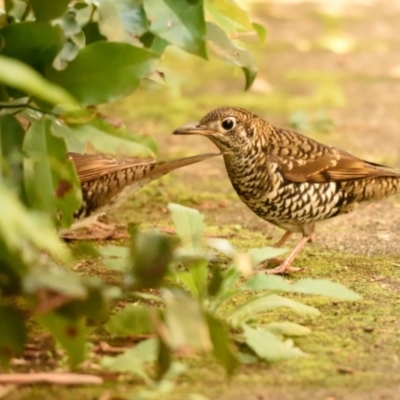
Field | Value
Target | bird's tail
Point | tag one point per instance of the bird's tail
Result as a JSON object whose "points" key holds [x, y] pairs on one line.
{"points": [[164, 167]]}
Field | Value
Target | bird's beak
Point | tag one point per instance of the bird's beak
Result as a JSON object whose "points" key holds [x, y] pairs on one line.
{"points": [[193, 129]]}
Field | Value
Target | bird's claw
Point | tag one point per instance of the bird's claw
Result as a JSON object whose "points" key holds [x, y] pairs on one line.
{"points": [[283, 269]]}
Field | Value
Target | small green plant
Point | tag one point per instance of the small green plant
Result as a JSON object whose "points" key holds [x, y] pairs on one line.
{"points": [[201, 307]]}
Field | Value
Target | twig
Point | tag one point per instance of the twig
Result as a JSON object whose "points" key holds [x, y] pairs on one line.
{"points": [[50, 377]]}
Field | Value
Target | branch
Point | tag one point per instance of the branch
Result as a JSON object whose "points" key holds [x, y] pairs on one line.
{"points": [[51, 377]]}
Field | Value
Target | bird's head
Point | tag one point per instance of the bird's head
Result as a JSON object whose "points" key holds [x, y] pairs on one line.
{"points": [[230, 129]]}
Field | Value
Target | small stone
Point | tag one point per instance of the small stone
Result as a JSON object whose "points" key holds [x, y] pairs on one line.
{"points": [[224, 203], [368, 329], [345, 370], [351, 327]]}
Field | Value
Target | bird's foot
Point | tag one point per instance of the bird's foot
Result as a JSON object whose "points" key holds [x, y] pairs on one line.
{"points": [[283, 268]]}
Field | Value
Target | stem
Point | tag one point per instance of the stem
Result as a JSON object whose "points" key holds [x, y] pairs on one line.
{"points": [[2, 106]]}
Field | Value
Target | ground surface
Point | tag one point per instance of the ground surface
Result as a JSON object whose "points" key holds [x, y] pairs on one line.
{"points": [[318, 66], [358, 87]]}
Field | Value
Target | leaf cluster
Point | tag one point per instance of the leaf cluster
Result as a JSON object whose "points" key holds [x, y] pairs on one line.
{"points": [[202, 310], [59, 60]]}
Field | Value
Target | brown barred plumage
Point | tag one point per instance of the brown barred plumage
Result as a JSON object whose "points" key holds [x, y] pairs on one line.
{"points": [[287, 178], [107, 182]]}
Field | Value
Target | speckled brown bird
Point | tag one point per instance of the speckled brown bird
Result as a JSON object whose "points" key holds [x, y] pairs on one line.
{"points": [[107, 182], [288, 179]]}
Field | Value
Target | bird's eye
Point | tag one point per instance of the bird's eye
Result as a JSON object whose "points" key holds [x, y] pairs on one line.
{"points": [[228, 123]]}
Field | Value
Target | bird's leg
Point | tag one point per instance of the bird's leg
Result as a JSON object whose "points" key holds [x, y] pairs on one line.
{"points": [[283, 239], [278, 244], [286, 266]]}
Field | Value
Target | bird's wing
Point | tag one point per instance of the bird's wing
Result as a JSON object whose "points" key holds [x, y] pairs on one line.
{"points": [[310, 161], [93, 166]]}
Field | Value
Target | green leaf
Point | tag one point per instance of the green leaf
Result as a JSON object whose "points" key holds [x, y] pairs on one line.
{"points": [[67, 54], [231, 53], [116, 257], [195, 279], [186, 322], [132, 16], [11, 157], [267, 282], [268, 347], [164, 359], [259, 255], [12, 333], [16, 9], [179, 22], [222, 346], [186, 279], [309, 286], [57, 278], [264, 303], [132, 320], [227, 287], [215, 282], [51, 182], [247, 358], [105, 138], [71, 27], [13, 268], [287, 328], [18, 75], [92, 33], [46, 11], [189, 224], [17, 225], [198, 269], [33, 43], [223, 246], [155, 44], [134, 360], [95, 305], [151, 254], [261, 31], [74, 143], [229, 16], [87, 77], [71, 334], [325, 287], [110, 24]]}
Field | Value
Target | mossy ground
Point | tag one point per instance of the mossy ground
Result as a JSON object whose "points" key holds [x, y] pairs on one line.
{"points": [[354, 348]]}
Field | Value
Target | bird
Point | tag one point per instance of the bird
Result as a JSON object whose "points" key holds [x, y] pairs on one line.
{"points": [[289, 179], [107, 182]]}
